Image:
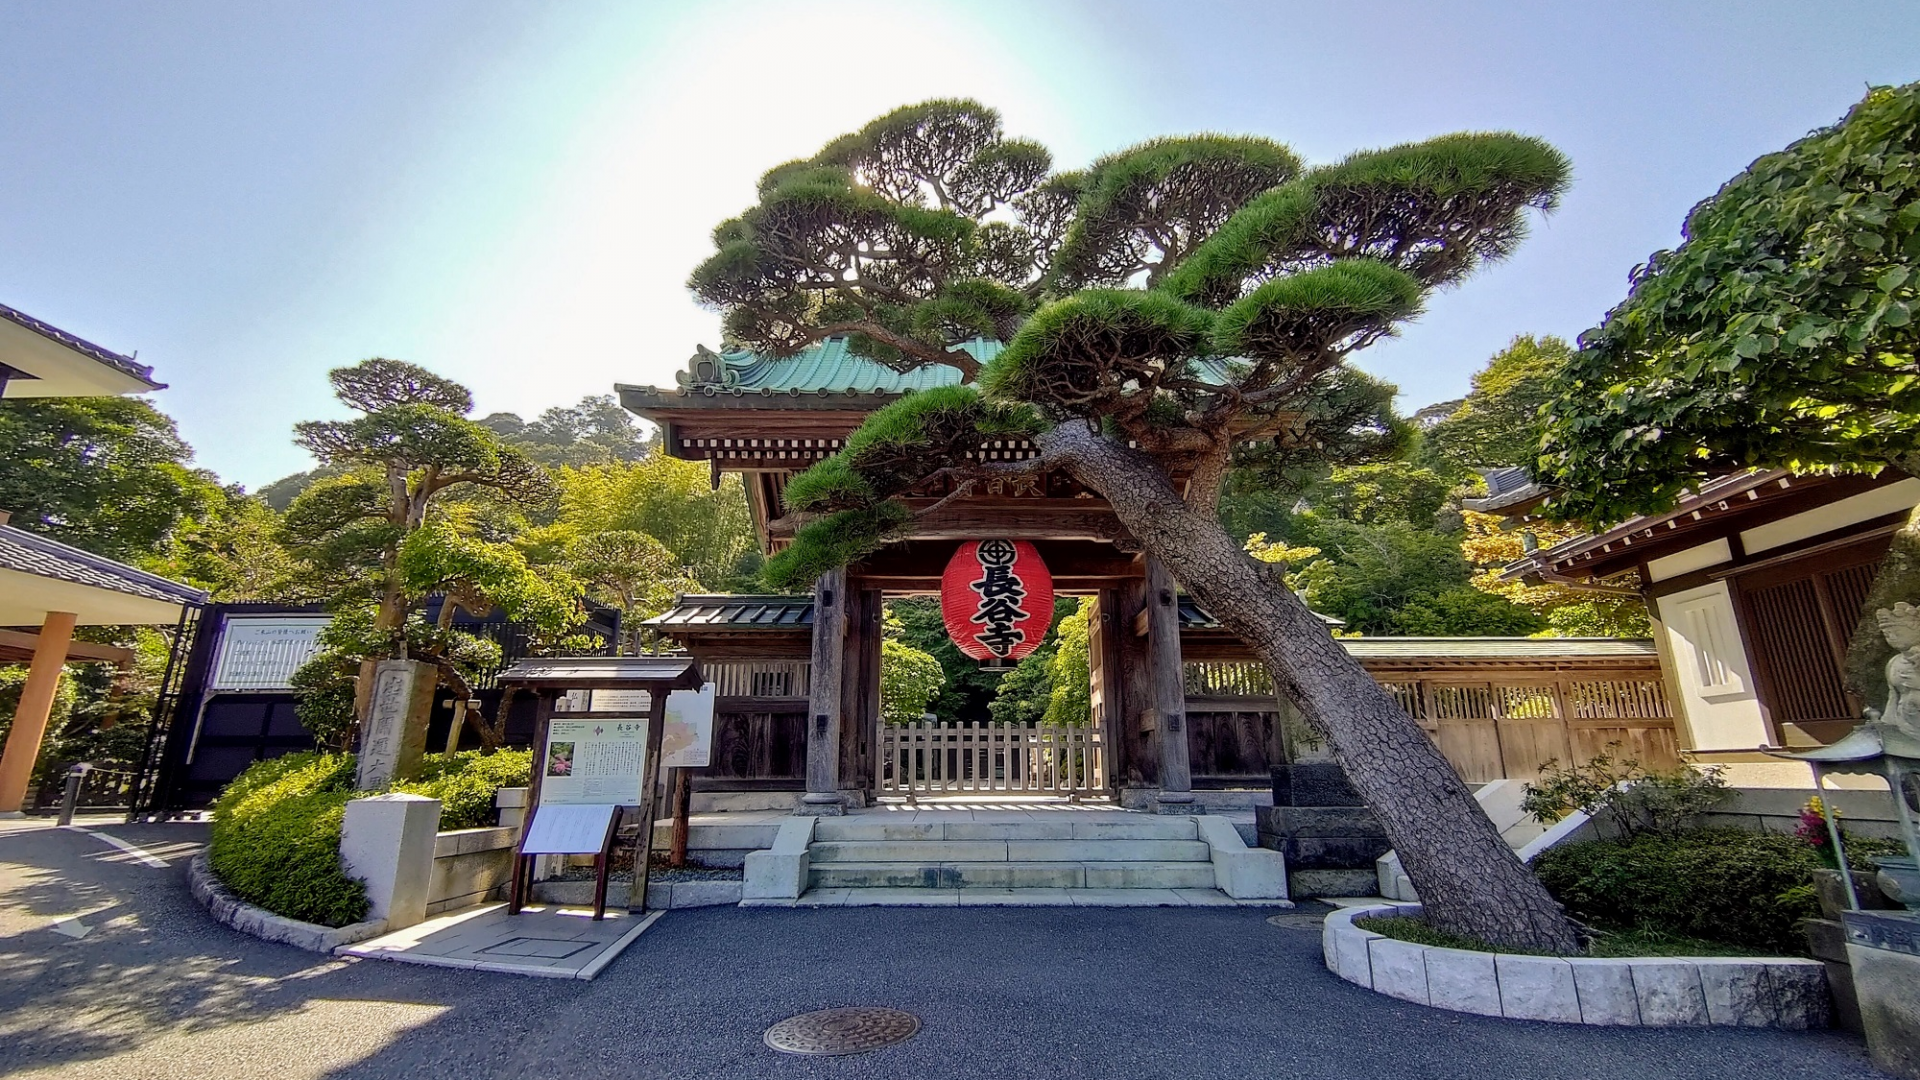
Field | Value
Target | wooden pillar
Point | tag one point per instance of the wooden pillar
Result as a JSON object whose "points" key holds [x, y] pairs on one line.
{"points": [[1167, 685], [649, 795], [860, 693], [1139, 752], [36, 703], [824, 704]]}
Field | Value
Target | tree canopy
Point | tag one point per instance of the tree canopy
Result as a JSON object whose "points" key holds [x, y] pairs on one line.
{"points": [[1780, 333], [1175, 310]]}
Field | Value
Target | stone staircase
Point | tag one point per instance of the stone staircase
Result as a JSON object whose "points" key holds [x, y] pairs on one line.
{"points": [[1100, 853], [1064, 857]]}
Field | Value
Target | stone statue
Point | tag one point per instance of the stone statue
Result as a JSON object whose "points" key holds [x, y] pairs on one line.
{"points": [[1900, 625]]}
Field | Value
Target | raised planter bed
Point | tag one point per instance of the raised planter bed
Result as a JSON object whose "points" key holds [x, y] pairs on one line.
{"points": [[261, 923], [1667, 991]]}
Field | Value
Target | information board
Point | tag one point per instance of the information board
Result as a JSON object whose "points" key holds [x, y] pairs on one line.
{"points": [[688, 739], [568, 830], [593, 761], [262, 653]]}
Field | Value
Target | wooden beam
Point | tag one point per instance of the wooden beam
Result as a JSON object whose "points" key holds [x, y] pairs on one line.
{"points": [[824, 702], [17, 647]]}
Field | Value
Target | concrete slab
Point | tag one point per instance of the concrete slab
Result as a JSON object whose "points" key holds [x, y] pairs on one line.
{"points": [[548, 942]]}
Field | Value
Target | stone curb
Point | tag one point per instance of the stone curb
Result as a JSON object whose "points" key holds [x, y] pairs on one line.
{"points": [[1665, 991], [661, 895], [261, 923]]}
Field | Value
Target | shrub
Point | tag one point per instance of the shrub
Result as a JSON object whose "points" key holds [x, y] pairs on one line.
{"points": [[1737, 888], [276, 838], [465, 783], [1621, 791]]}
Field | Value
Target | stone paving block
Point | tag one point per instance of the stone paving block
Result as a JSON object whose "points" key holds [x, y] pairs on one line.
{"points": [[1668, 992], [1537, 988], [1800, 993], [1738, 992], [1399, 969], [1352, 956], [1463, 981], [1606, 992]]}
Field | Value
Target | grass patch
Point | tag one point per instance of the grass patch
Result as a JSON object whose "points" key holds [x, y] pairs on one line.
{"points": [[1642, 941]]}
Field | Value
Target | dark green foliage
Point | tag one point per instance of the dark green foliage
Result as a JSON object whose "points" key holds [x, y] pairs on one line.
{"points": [[1631, 798], [106, 474], [1383, 491], [1026, 692], [276, 838], [1162, 198], [969, 689], [1499, 423], [465, 784], [1393, 578], [1352, 423], [1621, 944], [1781, 333], [832, 542], [1726, 886], [1097, 351], [1293, 316], [1464, 611]]}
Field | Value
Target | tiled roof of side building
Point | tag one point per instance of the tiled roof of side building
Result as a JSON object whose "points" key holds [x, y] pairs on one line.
{"points": [[124, 364], [29, 553], [830, 368]]}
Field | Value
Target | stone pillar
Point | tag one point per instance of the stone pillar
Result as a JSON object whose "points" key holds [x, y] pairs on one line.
{"points": [[387, 842], [393, 738], [36, 703], [1883, 948], [1167, 685], [823, 702]]}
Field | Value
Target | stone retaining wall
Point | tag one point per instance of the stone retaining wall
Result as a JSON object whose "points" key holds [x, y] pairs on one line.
{"points": [[470, 866], [1777, 992]]}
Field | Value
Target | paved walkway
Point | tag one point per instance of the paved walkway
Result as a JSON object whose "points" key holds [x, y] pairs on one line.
{"points": [[546, 941], [155, 990]]}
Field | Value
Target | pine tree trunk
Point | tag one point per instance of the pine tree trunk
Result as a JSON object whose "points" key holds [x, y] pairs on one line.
{"points": [[1469, 880]]}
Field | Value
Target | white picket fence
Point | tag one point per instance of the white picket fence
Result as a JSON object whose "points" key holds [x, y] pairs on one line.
{"points": [[934, 757]]}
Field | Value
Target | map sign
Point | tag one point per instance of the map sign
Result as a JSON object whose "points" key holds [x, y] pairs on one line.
{"points": [[688, 740], [593, 761]]}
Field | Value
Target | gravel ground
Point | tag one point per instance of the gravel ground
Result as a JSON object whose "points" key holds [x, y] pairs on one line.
{"points": [[156, 990]]}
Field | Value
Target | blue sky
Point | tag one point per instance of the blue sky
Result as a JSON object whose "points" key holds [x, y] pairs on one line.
{"points": [[512, 193]]}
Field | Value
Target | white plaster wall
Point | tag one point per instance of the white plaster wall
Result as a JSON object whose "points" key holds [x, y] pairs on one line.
{"points": [[1693, 558], [1710, 665]]}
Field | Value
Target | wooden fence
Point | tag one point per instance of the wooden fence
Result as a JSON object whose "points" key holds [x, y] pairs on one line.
{"points": [[934, 758], [1489, 725]]}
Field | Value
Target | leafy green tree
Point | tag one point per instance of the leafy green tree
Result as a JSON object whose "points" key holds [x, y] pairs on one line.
{"points": [[383, 538], [1172, 311], [597, 431], [1779, 334], [909, 679], [966, 689], [1071, 701], [709, 530], [629, 571], [1499, 421], [1396, 579], [108, 474], [1026, 692], [1383, 491], [233, 550]]}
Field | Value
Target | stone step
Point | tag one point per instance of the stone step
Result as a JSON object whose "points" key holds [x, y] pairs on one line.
{"points": [[1066, 825], [929, 852], [1014, 875]]}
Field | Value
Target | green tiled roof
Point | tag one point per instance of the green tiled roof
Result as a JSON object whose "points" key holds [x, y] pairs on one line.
{"points": [[825, 368]]}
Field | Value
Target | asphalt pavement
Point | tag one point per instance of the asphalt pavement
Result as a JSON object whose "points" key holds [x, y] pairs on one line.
{"points": [[109, 969]]}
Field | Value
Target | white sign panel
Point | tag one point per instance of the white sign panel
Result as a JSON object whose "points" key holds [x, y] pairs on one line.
{"points": [[567, 830], [687, 742], [262, 653], [633, 701], [593, 761]]}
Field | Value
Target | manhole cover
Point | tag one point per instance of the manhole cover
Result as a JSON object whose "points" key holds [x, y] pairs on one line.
{"points": [[1298, 920], [842, 1031]]}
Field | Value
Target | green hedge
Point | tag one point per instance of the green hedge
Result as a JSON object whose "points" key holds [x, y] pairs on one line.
{"points": [[276, 838], [465, 784], [276, 828], [1744, 889]]}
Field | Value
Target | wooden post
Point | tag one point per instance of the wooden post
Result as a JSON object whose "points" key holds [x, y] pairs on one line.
{"points": [[522, 889], [1167, 685], [36, 704], [1106, 694], [860, 692], [649, 785], [682, 800], [824, 704]]}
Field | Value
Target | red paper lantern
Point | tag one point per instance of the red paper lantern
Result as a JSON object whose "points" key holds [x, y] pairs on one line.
{"points": [[996, 599]]}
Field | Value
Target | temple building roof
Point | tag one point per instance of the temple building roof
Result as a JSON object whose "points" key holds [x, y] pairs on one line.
{"points": [[38, 575], [38, 359]]}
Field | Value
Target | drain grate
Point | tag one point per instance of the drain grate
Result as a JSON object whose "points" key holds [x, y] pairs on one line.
{"points": [[1298, 920], [842, 1031]]}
